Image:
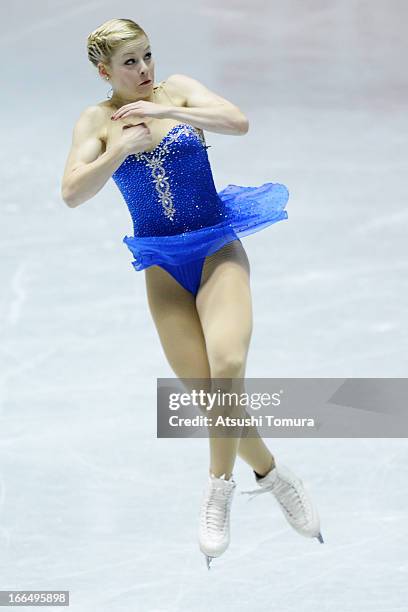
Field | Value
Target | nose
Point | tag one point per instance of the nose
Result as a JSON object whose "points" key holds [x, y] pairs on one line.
{"points": [[144, 68]]}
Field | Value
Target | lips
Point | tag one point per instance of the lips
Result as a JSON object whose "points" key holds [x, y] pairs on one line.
{"points": [[146, 82]]}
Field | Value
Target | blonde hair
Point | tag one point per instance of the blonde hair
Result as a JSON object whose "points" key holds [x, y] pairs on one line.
{"points": [[103, 41]]}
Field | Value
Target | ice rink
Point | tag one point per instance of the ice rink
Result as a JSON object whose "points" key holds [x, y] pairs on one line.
{"points": [[90, 500]]}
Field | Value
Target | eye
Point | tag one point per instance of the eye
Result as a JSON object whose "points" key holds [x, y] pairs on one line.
{"points": [[149, 55]]}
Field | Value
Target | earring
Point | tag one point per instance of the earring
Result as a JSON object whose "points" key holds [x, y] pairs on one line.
{"points": [[110, 92]]}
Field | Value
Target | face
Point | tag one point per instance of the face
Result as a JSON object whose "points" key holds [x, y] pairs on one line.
{"points": [[131, 64]]}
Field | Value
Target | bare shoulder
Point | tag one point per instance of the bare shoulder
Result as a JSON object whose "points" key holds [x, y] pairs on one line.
{"points": [[180, 83], [92, 120], [93, 115], [173, 87], [195, 93], [185, 88], [182, 80], [105, 105]]}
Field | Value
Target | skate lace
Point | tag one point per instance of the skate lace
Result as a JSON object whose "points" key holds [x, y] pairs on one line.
{"points": [[216, 509], [288, 496]]}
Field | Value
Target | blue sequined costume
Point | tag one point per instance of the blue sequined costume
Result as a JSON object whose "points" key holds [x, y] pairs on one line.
{"points": [[178, 216]]}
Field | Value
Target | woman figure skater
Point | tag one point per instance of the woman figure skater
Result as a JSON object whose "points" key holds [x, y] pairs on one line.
{"points": [[149, 138]]}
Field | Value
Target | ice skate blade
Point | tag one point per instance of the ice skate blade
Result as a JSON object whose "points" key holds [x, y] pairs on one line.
{"points": [[320, 538], [208, 560]]}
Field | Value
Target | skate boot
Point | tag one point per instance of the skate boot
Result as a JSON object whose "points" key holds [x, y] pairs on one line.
{"points": [[214, 531], [293, 499]]}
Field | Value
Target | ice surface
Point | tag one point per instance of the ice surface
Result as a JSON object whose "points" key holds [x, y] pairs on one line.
{"points": [[90, 500]]}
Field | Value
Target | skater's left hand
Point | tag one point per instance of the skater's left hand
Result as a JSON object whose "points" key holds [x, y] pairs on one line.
{"points": [[141, 108]]}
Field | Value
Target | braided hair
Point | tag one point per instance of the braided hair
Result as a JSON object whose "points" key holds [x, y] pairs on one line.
{"points": [[103, 41]]}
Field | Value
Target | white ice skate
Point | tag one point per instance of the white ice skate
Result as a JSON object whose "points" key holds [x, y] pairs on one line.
{"points": [[293, 499], [214, 532]]}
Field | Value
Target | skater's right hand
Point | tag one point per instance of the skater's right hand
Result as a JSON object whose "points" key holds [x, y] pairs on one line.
{"points": [[135, 138]]}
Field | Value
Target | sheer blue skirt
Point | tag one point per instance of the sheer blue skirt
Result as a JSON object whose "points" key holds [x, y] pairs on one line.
{"points": [[248, 210]]}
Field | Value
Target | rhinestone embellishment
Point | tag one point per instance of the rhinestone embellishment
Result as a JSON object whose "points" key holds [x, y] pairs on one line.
{"points": [[155, 159]]}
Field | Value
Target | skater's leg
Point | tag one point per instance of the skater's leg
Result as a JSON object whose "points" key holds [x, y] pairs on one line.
{"points": [[224, 447], [179, 328], [177, 323], [225, 310], [254, 451]]}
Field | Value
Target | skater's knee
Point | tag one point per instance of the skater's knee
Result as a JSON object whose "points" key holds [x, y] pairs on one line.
{"points": [[229, 364]]}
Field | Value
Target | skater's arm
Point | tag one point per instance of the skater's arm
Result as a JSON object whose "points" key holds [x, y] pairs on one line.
{"points": [[88, 168], [205, 109]]}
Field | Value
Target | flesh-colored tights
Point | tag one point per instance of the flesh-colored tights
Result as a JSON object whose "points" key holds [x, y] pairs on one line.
{"points": [[208, 337]]}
